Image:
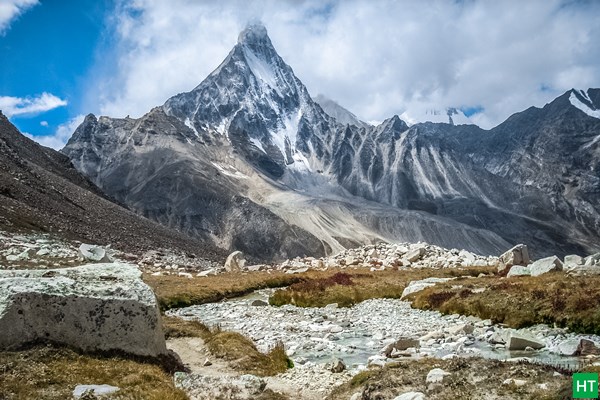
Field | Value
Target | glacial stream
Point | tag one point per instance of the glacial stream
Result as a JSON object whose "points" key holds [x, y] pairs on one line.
{"points": [[358, 334]]}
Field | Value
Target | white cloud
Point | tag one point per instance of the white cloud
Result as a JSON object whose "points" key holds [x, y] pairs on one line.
{"points": [[44, 123], [11, 9], [375, 58], [62, 135], [12, 106]]}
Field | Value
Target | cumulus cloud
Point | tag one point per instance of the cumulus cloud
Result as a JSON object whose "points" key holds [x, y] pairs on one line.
{"points": [[44, 123], [11, 9], [12, 106], [375, 58], [62, 135]]}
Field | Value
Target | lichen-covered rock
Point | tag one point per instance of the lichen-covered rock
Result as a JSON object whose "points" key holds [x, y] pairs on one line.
{"points": [[95, 307]]}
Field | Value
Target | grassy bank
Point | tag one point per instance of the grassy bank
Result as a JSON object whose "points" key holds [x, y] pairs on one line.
{"points": [[350, 287], [176, 291], [52, 373], [231, 346], [472, 378], [556, 298]]}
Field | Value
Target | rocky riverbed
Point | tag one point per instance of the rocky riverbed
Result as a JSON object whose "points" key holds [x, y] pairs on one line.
{"points": [[376, 332]]}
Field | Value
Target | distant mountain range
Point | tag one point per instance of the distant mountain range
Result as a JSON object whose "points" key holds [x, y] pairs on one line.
{"points": [[249, 160]]}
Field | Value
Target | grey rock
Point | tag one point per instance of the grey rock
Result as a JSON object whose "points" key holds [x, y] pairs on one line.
{"points": [[259, 303], [518, 255], [436, 375], [205, 387], [587, 347], [415, 254], [545, 265], [235, 262], [96, 390], [519, 341], [518, 270], [336, 366], [96, 307], [401, 344], [569, 347], [93, 253], [411, 396]]}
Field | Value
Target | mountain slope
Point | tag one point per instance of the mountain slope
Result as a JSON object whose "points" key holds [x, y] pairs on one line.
{"points": [[40, 190], [339, 113]]}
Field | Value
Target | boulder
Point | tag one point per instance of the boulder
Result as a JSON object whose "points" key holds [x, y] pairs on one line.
{"points": [[336, 366], [96, 390], [520, 341], [93, 253], [400, 345], [410, 396], [436, 375], [572, 261], [587, 347], [569, 347], [545, 265], [259, 303], [518, 270], [235, 262], [518, 255], [95, 307], [461, 329], [417, 286], [415, 254]]}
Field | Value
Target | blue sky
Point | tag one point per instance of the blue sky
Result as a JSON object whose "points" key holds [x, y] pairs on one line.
{"points": [[64, 59], [51, 48]]}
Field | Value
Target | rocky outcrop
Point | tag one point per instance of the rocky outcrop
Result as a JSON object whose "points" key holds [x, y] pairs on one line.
{"points": [[95, 307]]}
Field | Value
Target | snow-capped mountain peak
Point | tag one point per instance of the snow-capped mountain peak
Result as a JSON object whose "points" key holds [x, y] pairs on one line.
{"points": [[446, 115], [583, 100]]}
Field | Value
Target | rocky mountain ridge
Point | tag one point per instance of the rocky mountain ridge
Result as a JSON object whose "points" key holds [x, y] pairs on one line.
{"points": [[249, 148]]}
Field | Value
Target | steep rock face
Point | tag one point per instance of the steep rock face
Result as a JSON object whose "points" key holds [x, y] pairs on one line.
{"points": [[249, 147], [339, 113]]}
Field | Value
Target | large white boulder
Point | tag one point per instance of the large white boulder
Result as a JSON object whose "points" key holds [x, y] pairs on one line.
{"points": [[417, 286], [545, 265], [522, 340], [235, 262], [95, 307], [518, 255], [518, 270]]}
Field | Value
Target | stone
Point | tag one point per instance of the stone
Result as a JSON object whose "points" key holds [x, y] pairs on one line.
{"points": [[93, 253], [336, 366], [400, 345], [356, 396], [417, 286], [568, 347], [462, 328], [415, 254], [235, 262], [545, 265], [518, 270], [207, 272], [410, 396], [207, 363], [96, 390], [95, 307], [518, 255], [436, 375], [572, 262], [516, 341], [516, 382], [259, 303], [587, 347]]}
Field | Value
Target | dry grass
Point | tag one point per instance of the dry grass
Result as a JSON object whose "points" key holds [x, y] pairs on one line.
{"points": [[51, 373], [471, 379], [231, 346], [176, 292], [353, 286], [567, 301]]}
